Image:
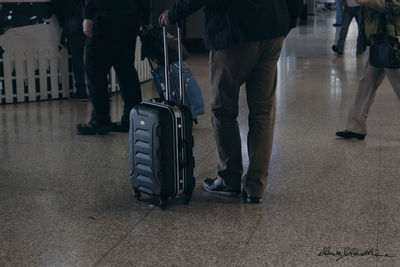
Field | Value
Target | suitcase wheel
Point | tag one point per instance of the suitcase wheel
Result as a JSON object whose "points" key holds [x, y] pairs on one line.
{"points": [[188, 198], [163, 203], [138, 194]]}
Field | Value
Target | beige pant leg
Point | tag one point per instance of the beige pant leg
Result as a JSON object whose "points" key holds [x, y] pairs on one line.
{"points": [[261, 88], [229, 69], [394, 79], [369, 83]]}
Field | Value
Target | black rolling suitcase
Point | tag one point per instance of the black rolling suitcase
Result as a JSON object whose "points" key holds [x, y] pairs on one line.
{"points": [[161, 144]]}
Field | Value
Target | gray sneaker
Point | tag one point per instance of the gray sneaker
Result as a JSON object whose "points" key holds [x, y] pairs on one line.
{"points": [[216, 186]]}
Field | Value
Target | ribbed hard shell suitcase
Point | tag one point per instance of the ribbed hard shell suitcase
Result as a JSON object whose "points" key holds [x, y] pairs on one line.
{"points": [[161, 146]]}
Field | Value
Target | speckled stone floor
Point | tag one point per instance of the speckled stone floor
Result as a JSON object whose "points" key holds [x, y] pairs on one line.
{"points": [[65, 200]]}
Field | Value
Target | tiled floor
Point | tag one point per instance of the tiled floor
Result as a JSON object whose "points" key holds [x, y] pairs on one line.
{"points": [[65, 200]]}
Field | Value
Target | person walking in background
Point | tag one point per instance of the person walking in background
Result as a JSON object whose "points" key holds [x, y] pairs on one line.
{"points": [[372, 77], [245, 38], [339, 13], [351, 10], [70, 17], [112, 28]]}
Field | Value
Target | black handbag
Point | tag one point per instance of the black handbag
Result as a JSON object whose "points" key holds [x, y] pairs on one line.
{"points": [[153, 46], [385, 49]]}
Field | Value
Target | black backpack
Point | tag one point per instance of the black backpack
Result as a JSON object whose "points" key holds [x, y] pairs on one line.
{"points": [[153, 46], [385, 49]]}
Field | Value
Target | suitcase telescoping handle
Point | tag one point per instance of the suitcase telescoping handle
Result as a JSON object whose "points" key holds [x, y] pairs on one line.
{"points": [[167, 65]]}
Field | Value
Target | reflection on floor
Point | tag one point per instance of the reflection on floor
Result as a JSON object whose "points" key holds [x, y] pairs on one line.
{"points": [[65, 200]]}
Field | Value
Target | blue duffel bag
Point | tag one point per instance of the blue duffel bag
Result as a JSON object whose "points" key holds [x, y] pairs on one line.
{"points": [[193, 96]]}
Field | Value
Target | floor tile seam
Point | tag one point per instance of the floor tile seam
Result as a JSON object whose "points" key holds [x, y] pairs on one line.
{"points": [[377, 189], [254, 230], [218, 240], [56, 143], [243, 242], [106, 165], [54, 187], [51, 144], [25, 189], [122, 239], [88, 213]]}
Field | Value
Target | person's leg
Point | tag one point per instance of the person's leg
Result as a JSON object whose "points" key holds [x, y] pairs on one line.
{"points": [[394, 79], [228, 71], [76, 45], [127, 76], [369, 83], [261, 88], [98, 64], [361, 34], [347, 18], [339, 12]]}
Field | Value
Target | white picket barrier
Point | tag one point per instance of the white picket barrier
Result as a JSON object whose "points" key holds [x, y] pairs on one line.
{"points": [[34, 75], [34, 67]]}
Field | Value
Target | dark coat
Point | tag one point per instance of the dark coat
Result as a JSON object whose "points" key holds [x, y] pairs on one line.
{"points": [[229, 22], [97, 8], [65, 9]]}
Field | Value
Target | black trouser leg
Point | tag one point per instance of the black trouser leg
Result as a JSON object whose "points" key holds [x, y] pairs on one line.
{"points": [[361, 34], [347, 18], [127, 76], [76, 44], [98, 65]]}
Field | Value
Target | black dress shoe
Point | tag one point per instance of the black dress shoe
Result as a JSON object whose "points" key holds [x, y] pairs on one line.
{"points": [[360, 51], [216, 186], [337, 24], [93, 128], [348, 135], [251, 199], [120, 127], [337, 49]]}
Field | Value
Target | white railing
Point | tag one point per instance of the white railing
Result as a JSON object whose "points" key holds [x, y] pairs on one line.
{"points": [[35, 67], [34, 75]]}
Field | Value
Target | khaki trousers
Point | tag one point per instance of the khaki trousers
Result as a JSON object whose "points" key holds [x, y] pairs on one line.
{"points": [[253, 63], [369, 83]]}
